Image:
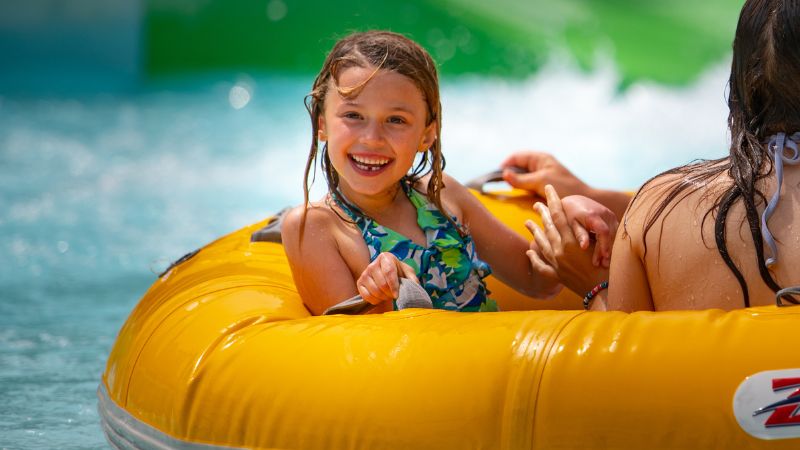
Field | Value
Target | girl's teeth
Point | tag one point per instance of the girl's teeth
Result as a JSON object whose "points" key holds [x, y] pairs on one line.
{"points": [[368, 168], [369, 164], [376, 162]]}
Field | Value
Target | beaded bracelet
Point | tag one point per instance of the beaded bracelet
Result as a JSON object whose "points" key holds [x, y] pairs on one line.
{"points": [[595, 290]]}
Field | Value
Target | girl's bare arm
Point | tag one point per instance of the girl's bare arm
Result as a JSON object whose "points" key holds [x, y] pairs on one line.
{"points": [[628, 286], [502, 248], [320, 273]]}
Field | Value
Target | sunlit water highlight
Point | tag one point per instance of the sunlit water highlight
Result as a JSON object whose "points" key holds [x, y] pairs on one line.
{"points": [[98, 194]]}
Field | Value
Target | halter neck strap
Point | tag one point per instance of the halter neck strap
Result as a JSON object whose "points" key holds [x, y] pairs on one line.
{"points": [[353, 211], [777, 145]]}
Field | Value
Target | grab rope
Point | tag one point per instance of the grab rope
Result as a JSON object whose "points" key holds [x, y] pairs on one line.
{"points": [[778, 143]]}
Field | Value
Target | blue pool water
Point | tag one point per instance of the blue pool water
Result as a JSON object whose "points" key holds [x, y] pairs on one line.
{"points": [[99, 192]]}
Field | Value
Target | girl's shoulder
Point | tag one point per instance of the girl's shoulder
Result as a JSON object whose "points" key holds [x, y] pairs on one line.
{"points": [[665, 204], [686, 187], [316, 222]]}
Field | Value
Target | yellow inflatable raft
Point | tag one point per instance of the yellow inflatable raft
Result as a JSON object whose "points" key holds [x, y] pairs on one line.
{"points": [[221, 353]]}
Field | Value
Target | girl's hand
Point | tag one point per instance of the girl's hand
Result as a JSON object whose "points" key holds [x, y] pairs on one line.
{"points": [[380, 281], [588, 216], [544, 272], [557, 248]]}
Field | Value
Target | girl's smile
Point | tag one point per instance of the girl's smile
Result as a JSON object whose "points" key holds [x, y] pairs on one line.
{"points": [[370, 165]]}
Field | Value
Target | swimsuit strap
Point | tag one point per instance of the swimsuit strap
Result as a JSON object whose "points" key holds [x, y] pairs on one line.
{"points": [[361, 220], [357, 215], [348, 207], [778, 143]]}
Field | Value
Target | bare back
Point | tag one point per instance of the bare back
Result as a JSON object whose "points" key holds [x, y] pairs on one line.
{"points": [[683, 269]]}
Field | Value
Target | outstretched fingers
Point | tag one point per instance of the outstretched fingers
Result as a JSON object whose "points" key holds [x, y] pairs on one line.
{"points": [[558, 217], [540, 265], [541, 244]]}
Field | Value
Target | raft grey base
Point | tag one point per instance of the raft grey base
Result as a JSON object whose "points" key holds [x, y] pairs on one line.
{"points": [[125, 432]]}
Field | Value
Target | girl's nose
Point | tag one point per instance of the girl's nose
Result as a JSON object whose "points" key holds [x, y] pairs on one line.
{"points": [[372, 134]]}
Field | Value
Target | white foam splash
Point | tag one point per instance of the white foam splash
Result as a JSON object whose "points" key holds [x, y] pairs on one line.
{"points": [[610, 138]]}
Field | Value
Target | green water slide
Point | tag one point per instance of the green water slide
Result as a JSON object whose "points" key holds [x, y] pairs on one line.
{"points": [[667, 41]]}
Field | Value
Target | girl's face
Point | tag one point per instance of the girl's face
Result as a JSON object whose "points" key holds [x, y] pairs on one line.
{"points": [[373, 137]]}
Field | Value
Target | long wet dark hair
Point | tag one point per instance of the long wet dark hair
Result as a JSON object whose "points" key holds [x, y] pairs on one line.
{"points": [[381, 50], [764, 99]]}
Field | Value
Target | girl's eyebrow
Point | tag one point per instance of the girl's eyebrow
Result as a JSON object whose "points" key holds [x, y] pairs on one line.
{"points": [[402, 107], [398, 107]]}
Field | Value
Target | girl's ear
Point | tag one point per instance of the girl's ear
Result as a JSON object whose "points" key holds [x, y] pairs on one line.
{"points": [[428, 138], [322, 133]]}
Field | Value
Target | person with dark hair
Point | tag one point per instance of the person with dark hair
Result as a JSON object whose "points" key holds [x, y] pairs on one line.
{"points": [[721, 233]]}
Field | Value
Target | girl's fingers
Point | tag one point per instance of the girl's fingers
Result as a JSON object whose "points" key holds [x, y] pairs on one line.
{"points": [[540, 266], [380, 281], [391, 284], [581, 234], [557, 214], [406, 271], [373, 293], [597, 255], [552, 234], [602, 230], [363, 292], [545, 249]]}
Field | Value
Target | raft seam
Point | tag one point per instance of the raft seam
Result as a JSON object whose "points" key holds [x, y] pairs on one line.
{"points": [[555, 337]]}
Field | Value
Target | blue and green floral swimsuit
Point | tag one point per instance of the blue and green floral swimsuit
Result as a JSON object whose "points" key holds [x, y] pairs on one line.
{"points": [[448, 269]]}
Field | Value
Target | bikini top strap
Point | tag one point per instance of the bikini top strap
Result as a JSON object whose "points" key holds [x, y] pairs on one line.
{"points": [[416, 198], [356, 215], [778, 144], [349, 208]]}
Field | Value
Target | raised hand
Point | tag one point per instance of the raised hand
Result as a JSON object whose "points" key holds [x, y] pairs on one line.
{"points": [[542, 169], [587, 216], [557, 247]]}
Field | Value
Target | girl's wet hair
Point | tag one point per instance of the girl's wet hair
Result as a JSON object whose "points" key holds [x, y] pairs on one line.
{"points": [[763, 99], [381, 50]]}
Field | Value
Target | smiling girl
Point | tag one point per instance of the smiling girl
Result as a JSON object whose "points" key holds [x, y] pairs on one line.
{"points": [[390, 211]]}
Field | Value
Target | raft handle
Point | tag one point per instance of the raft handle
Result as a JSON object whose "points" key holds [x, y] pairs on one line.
{"points": [[497, 175], [179, 261], [411, 295], [271, 232]]}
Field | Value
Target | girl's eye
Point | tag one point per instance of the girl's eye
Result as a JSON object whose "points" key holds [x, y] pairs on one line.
{"points": [[397, 120], [351, 115]]}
